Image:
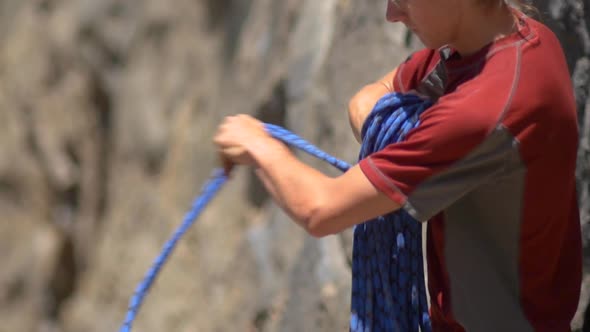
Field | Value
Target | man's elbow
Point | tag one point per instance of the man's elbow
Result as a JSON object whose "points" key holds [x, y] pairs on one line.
{"points": [[319, 225], [318, 231]]}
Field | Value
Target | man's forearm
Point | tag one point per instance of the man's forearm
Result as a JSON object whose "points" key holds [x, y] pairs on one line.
{"points": [[322, 205], [296, 187]]}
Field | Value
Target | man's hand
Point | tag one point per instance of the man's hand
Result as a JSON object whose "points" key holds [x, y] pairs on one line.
{"points": [[364, 100], [238, 137]]}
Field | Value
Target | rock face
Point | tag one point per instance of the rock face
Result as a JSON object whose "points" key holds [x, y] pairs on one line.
{"points": [[107, 109]]}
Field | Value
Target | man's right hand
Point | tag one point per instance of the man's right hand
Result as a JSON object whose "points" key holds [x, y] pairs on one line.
{"points": [[362, 103]]}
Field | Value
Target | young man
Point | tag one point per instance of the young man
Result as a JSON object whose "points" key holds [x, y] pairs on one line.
{"points": [[491, 167]]}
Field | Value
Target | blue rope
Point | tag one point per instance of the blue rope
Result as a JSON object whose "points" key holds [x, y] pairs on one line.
{"points": [[209, 191], [298, 142], [391, 119], [388, 291]]}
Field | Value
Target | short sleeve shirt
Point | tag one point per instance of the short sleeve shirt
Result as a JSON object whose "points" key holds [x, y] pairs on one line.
{"points": [[492, 167]]}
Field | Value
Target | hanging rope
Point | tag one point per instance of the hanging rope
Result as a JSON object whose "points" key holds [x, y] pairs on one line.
{"points": [[388, 292]]}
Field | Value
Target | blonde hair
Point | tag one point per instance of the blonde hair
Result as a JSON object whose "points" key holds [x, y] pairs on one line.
{"points": [[524, 6]]}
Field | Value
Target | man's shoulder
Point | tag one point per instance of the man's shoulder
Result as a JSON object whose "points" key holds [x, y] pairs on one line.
{"points": [[416, 66]]}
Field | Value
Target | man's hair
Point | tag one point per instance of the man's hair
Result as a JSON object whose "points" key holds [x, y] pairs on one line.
{"points": [[525, 6]]}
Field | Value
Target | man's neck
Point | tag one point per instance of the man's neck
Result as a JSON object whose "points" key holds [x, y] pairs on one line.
{"points": [[482, 27]]}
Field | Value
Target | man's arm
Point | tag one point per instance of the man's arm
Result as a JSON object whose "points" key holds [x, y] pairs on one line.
{"points": [[362, 103], [320, 204]]}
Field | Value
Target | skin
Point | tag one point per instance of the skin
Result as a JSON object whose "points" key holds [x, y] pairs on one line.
{"points": [[465, 25], [362, 102], [308, 195]]}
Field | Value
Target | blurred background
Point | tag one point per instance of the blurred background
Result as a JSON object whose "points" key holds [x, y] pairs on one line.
{"points": [[107, 110]]}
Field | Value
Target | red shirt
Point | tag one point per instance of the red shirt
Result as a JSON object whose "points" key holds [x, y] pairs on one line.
{"points": [[492, 167]]}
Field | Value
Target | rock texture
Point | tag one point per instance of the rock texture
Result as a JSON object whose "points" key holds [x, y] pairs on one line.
{"points": [[107, 109]]}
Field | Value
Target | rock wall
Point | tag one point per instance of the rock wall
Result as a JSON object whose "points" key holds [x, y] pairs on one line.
{"points": [[107, 110]]}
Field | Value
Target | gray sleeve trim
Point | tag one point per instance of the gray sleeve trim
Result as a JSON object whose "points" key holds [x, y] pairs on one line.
{"points": [[406, 206], [385, 179], [413, 212], [515, 82]]}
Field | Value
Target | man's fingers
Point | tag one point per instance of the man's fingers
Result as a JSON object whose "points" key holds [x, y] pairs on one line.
{"points": [[227, 165], [231, 156]]}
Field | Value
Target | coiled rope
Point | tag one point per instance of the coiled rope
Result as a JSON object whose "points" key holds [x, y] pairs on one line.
{"points": [[388, 292]]}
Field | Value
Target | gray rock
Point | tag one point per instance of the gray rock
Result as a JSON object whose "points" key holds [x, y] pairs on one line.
{"points": [[107, 111]]}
